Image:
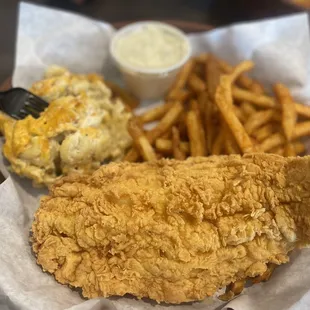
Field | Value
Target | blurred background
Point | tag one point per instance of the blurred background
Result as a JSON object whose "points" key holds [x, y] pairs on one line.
{"points": [[194, 12]]}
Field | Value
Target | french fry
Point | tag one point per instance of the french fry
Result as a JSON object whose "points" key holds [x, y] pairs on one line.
{"points": [[277, 117], [233, 290], [154, 114], [247, 108], [250, 84], [140, 140], [231, 146], [125, 96], [256, 145], [227, 296], [194, 106], [199, 70], [201, 58], [201, 99], [256, 88], [167, 135], [181, 124], [179, 95], [278, 151], [273, 141], [209, 127], [302, 110], [237, 287], [218, 144], [195, 83], [182, 77], [277, 139], [243, 80], [289, 150], [206, 105], [165, 146], [166, 122], [289, 115], [212, 76], [224, 66], [302, 129], [262, 133], [240, 114], [224, 101], [132, 155], [259, 100], [299, 148], [176, 149], [257, 120], [266, 275], [159, 156], [160, 129], [195, 134], [242, 67], [264, 101]]}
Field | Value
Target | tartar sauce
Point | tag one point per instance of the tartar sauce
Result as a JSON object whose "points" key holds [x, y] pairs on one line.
{"points": [[151, 47]]}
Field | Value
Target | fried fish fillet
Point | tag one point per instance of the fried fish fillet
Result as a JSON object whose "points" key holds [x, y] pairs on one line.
{"points": [[173, 231]]}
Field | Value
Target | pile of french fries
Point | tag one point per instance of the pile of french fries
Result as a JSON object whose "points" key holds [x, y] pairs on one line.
{"points": [[214, 108]]}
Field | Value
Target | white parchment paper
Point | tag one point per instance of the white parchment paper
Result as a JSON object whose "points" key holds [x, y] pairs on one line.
{"points": [[281, 51]]}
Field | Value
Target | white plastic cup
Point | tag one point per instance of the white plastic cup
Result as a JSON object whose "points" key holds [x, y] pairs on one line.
{"points": [[148, 83]]}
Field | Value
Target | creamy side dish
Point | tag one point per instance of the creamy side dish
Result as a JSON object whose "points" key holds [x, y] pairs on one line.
{"points": [[82, 128], [151, 46]]}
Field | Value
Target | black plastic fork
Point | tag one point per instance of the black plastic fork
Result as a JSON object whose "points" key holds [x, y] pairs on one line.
{"points": [[19, 103]]}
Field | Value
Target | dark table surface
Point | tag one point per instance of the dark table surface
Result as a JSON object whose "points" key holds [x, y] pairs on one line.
{"points": [[216, 12]]}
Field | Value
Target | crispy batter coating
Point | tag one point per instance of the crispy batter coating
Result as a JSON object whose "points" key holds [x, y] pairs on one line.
{"points": [[173, 231]]}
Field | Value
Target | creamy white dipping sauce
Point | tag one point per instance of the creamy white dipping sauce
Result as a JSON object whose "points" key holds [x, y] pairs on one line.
{"points": [[151, 46]]}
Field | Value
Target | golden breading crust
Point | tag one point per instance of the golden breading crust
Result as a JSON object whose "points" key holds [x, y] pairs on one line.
{"points": [[173, 231]]}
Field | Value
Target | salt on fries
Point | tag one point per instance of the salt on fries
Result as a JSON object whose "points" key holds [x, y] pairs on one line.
{"points": [[214, 108]]}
